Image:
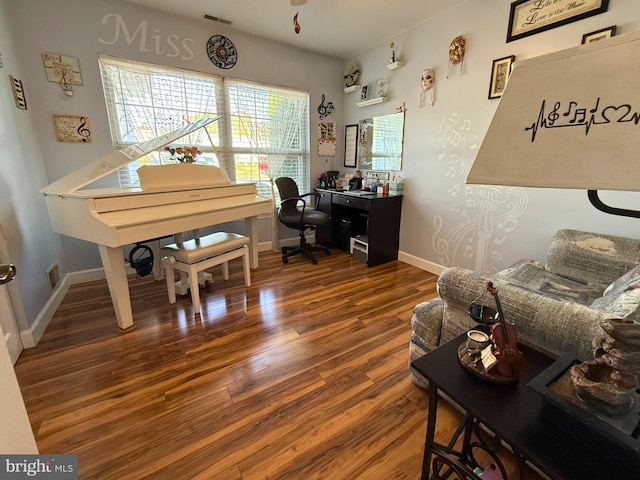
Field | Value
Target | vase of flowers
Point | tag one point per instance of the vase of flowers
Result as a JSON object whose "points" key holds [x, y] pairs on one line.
{"points": [[183, 154]]}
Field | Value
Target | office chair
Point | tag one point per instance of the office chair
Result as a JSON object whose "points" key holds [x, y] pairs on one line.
{"points": [[293, 216]]}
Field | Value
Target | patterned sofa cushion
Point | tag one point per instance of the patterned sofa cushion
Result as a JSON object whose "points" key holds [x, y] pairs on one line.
{"points": [[622, 297], [532, 276], [591, 258]]}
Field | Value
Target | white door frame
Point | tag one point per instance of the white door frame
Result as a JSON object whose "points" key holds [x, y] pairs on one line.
{"points": [[8, 325], [16, 436]]}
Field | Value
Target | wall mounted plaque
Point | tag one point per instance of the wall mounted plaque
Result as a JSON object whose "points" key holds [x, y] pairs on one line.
{"points": [[60, 67], [72, 128], [528, 17]]}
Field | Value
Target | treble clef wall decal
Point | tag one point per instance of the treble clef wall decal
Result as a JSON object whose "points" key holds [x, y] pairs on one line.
{"points": [[83, 131], [325, 109]]}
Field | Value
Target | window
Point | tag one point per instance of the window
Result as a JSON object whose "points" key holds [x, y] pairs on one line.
{"points": [[254, 138], [269, 133]]}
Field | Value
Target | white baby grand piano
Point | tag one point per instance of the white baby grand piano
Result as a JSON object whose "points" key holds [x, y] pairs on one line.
{"points": [[165, 204]]}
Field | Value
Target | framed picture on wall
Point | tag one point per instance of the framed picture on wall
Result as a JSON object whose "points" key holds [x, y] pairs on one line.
{"points": [[351, 145], [599, 34], [528, 17], [61, 68], [500, 75], [327, 139]]}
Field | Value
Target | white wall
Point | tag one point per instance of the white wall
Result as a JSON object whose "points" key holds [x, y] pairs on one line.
{"points": [[32, 246], [445, 222]]}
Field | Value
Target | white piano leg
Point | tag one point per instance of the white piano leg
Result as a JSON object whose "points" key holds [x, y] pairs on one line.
{"points": [[114, 269], [251, 231]]}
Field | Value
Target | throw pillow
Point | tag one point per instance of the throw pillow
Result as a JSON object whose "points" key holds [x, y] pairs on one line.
{"points": [[622, 297]]}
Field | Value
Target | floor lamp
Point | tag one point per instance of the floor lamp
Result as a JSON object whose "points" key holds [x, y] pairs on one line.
{"points": [[569, 119]]}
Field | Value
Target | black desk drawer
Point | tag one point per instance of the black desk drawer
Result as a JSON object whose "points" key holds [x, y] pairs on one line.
{"points": [[353, 202]]}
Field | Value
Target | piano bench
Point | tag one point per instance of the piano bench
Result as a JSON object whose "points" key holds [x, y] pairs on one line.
{"points": [[193, 256]]}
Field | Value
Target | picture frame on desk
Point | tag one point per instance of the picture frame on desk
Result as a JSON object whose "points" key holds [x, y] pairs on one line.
{"points": [[351, 146]]}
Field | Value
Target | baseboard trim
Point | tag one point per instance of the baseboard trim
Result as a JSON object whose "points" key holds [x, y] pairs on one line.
{"points": [[421, 263], [32, 336], [92, 275]]}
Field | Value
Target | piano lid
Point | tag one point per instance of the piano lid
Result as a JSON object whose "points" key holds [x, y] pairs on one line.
{"points": [[101, 168]]}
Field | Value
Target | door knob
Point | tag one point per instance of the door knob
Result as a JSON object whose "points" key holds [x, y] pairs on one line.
{"points": [[7, 273]]}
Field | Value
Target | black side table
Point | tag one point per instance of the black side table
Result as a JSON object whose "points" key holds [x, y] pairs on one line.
{"points": [[514, 415]]}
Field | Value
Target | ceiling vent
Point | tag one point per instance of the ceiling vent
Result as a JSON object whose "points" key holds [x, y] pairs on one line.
{"points": [[217, 19]]}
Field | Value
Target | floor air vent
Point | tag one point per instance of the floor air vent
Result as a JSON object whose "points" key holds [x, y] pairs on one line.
{"points": [[53, 276]]}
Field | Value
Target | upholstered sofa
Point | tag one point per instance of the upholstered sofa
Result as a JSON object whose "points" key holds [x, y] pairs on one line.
{"points": [[556, 307]]}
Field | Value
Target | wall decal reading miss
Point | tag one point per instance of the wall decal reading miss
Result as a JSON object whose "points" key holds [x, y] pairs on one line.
{"points": [[170, 45]]}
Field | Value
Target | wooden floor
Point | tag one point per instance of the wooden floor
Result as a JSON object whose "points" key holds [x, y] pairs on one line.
{"points": [[303, 375]]}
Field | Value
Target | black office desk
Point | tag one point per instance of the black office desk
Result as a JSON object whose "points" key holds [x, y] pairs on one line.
{"points": [[512, 412], [382, 221]]}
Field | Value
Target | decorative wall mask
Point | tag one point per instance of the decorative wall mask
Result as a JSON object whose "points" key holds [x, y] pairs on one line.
{"points": [[351, 74], [428, 80], [456, 52]]}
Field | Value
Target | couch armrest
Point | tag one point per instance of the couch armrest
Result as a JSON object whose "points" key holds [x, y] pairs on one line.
{"points": [[544, 322], [426, 328], [591, 258]]}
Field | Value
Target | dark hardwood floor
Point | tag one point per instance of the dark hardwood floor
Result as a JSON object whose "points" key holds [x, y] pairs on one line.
{"points": [[301, 376]]}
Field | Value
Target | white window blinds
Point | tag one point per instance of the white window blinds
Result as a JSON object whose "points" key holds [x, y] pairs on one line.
{"points": [[144, 101], [263, 130], [269, 133]]}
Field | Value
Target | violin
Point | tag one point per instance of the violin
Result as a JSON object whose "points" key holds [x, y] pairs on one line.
{"points": [[505, 343]]}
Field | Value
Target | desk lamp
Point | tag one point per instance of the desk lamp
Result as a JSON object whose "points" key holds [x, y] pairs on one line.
{"points": [[569, 119]]}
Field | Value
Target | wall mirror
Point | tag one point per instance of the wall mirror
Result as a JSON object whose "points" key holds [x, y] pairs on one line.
{"points": [[380, 142]]}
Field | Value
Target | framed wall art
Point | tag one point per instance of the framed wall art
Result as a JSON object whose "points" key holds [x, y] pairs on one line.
{"points": [[351, 145], [528, 17], [18, 92], [72, 128], [599, 34], [500, 72], [327, 139], [61, 68]]}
